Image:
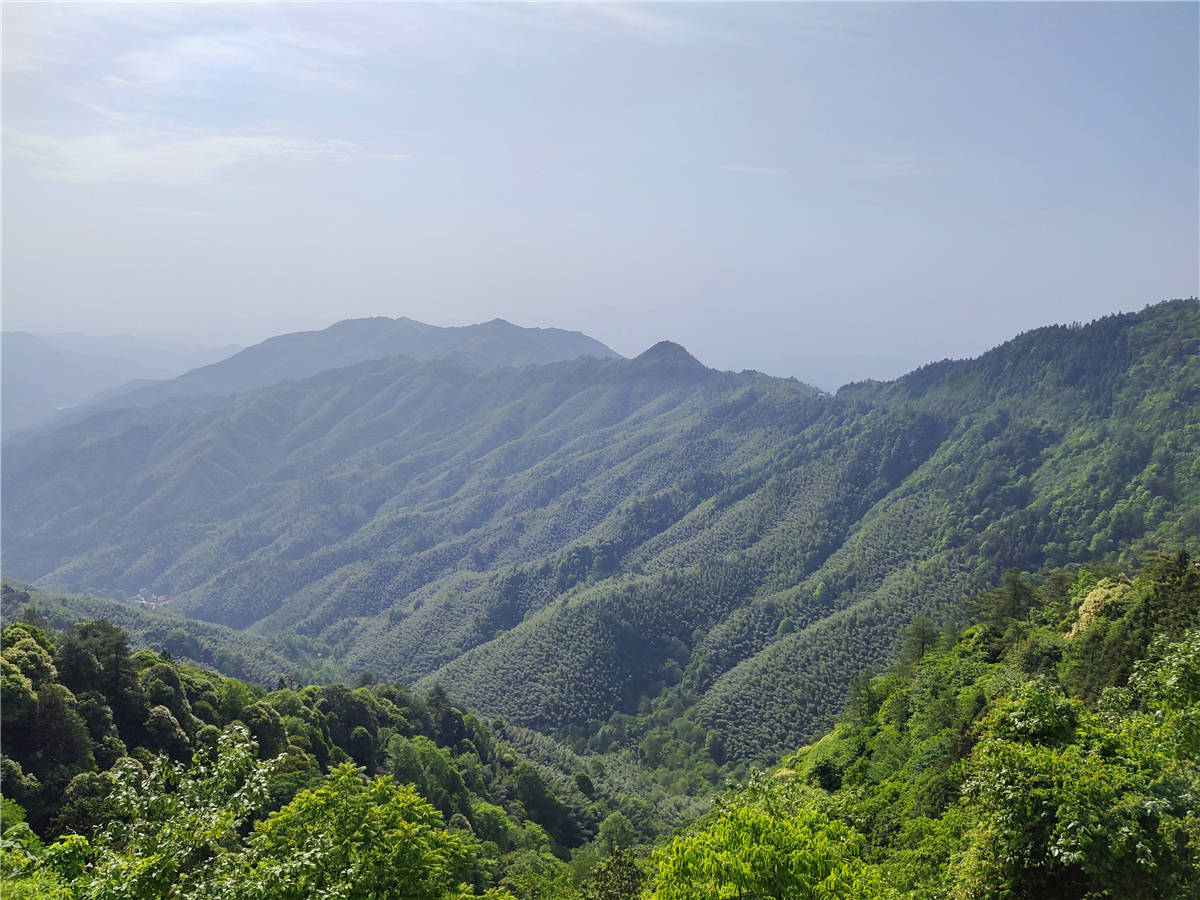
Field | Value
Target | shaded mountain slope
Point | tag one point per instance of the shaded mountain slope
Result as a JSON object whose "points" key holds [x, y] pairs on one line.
{"points": [[565, 545], [376, 466], [262, 660]]}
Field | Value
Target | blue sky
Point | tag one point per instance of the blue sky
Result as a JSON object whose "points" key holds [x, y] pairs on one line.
{"points": [[820, 190]]}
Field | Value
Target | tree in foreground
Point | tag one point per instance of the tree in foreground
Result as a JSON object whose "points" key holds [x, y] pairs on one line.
{"points": [[178, 833], [756, 850], [170, 828], [354, 839]]}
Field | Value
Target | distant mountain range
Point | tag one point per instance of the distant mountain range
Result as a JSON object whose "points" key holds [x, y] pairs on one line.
{"points": [[568, 544], [44, 373], [304, 353]]}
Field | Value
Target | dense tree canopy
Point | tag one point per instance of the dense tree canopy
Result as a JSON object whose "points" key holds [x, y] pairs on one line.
{"points": [[561, 545], [614, 587]]}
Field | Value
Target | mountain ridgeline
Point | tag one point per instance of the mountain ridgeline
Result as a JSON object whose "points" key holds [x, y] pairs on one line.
{"points": [[302, 354], [638, 555]]}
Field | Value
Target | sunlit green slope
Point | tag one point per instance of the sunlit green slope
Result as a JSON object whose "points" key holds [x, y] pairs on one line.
{"points": [[1051, 750], [584, 545]]}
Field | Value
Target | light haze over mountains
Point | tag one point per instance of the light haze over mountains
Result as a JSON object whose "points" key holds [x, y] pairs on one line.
{"points": [[95, 385], [503, 530], [864, 408], [825, 191], [46, 373]]}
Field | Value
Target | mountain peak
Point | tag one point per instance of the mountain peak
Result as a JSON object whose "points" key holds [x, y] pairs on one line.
{"points": [[666, 354]]}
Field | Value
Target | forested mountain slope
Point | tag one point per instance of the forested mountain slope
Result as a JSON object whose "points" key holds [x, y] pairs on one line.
{"points": [[261, 659], [302, 354], [633, 553], [1049, 750], [1057, 446]]}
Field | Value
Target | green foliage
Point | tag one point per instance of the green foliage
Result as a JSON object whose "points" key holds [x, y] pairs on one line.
{"points": [[771, 845], [177, 832], [258, 659], [65, 767], [352, 838], [569, 544], [169, 826], [1091, 813], [669, 573], [618, 877], [985, 765], [991, 768], [615, 832]]}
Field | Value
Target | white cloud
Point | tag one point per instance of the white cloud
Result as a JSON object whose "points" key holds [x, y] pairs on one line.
{"points": [[169, 161], [47, 37], [184, 57], [190, 61], [183, 47]]}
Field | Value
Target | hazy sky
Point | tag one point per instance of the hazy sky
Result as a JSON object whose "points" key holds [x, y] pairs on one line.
{"points": [[805, 189]]}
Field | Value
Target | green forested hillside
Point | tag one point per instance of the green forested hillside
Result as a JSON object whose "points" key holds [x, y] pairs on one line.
{"points": [[1051, 750], [258, 659], [149, 773], [645, 558]]}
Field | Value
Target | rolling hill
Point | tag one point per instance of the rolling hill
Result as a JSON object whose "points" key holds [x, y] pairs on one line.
{"points": [[634, 553]]}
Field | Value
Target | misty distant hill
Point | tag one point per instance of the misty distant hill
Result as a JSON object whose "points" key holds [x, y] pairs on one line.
{"points": [[43, 373], [302, 354]]}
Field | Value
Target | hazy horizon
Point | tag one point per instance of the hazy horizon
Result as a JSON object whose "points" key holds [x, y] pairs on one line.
{"points": [[840, 363], [801, 189]]}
